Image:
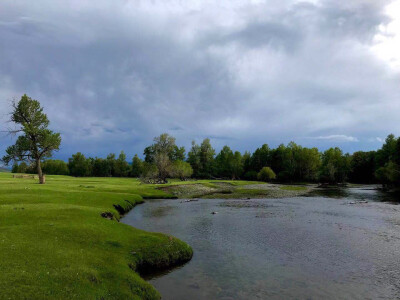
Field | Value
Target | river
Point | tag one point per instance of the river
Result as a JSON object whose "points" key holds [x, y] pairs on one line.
{"points": [[337, 245]]}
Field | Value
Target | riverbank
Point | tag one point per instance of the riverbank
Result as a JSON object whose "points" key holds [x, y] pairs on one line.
{"points": [[236, 190], [63, 240]]}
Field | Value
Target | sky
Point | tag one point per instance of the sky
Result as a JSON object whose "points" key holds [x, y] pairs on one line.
{"points": [[112, 75]]}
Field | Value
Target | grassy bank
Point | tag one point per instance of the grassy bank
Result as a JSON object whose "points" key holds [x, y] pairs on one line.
{"points": [[54, 243], [217, 189]]}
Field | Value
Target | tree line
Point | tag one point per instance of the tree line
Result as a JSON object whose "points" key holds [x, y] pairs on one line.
{"points": [[164, 159], [285, 163]]}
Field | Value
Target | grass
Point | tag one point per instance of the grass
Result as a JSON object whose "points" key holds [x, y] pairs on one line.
{"points": [[54, 244]]}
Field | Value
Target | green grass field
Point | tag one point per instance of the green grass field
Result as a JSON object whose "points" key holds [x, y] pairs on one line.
{"points": [[54, 243]]}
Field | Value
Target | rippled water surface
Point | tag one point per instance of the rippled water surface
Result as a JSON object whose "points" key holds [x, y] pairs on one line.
{"points": [[331, 246]]}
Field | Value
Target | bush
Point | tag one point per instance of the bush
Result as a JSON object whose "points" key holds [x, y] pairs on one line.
{"points": [[266, 174], [181, 170]]}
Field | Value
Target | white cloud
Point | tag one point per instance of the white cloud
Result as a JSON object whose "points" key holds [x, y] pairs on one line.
{"points": [[337, 137]]}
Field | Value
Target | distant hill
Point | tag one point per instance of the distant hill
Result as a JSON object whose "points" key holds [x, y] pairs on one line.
{"points": [[2, 169]]}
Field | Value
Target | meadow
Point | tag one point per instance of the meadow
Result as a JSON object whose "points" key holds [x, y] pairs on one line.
{"points": [[62, 240]]}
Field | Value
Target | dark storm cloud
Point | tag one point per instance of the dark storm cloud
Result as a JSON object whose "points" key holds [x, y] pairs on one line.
{"points": [[112, 76]]}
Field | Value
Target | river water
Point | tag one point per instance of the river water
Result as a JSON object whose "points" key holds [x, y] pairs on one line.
{"points": [[330, 246]]}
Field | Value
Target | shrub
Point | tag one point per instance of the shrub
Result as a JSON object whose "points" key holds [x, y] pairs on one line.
{"points": [[181, 170], [266, 174]]}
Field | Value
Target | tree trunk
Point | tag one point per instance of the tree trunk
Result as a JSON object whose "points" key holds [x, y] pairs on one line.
{"points": [[40, 173]]}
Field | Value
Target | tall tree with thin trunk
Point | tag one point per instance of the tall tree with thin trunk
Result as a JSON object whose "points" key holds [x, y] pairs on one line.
{"points": [[35, 141]]}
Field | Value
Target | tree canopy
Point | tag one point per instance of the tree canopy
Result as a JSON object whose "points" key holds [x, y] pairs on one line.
{"points": [[35, 141]]}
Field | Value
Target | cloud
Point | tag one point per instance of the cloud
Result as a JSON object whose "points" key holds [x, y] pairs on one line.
{"points": [[112, 75], [337, 137]]}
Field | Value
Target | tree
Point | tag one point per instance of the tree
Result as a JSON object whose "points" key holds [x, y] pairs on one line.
{"points": [[335, 166], [308, 162], [194, 159], [181, 170], [55, 167], [15, 168], [207, 154], [389, 174], [36, 141], [223, 163], [137, 166], [99, 167], [149, 173], [237, 165], [228, 164], [78, 165], [121, 165], [260, 158], [387, 152], [160, 154], [111, 164], [178, 154], [266, 174], [362, 167], [201, 158]]}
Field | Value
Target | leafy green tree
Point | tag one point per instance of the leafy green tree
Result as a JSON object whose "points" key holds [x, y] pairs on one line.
{"points": [[223, 163], [137, 166], [23, 168], [261, 158], [278, 159], [99, 167], [14, 168], [228, 164], [362, 167], [148, 153], [55, 167], [194, 159], [161, 153], [290, 162], [181, 170], [387, 152], [335, 166], [36, 141], [246, 160], [78, 165], [308, 164], [207, 154], [266, 174], [111, 161], [150, 173], [121, 165], [237, 165], [178, 154], [388, 175]]}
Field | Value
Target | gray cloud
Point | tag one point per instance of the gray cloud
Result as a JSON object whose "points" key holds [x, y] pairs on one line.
{"points": [[113, 75]]}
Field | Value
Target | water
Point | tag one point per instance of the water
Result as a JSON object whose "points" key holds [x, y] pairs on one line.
{"points": [[314, 247]]}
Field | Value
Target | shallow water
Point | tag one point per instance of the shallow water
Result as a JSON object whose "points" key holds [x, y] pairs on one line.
{"points": [[314, 247]]}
